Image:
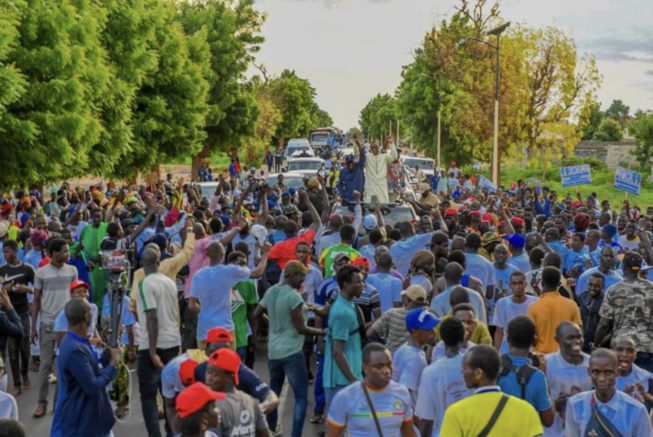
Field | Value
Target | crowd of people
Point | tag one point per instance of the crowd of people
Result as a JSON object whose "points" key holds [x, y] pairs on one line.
{"points": [[494, 313]]}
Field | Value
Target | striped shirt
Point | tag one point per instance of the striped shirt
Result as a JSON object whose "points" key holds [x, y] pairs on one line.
{"points": [[54, 284]]}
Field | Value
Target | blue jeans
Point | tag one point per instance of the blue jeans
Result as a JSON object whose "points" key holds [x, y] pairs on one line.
{"points": [[318, 389], [645, 361], [294, 368], [149, 383]]}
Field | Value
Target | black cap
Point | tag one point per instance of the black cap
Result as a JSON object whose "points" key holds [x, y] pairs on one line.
{"points": [[632, 261]]}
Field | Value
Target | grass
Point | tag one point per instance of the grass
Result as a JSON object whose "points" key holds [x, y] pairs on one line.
{"points": [[602, 184], [219, 159]]}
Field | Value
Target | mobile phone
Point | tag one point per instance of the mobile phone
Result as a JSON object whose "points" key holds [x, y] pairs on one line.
{"points": [[537, 190], [373, 201]]}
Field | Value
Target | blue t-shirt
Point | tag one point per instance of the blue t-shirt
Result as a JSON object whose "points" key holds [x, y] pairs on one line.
{"points": [[389, 289], [403, 250], [248, 381], [408, 363], [537, 392], [344, 327], [326, 290]]}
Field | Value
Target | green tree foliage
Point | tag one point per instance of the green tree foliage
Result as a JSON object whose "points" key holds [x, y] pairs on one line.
{"points": [[320, 117], [293, 96], [54, 124], [377, 117], [544, 88], [353, 130], [642, 129], [233, 28], [13, 82], [619, 112], [592, 121], [609, 130]]}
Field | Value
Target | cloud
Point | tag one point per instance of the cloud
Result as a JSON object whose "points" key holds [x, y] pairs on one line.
{"points": [[649, 72]]}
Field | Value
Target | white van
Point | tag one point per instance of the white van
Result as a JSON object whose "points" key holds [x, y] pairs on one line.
{"points": [[296, 145]]}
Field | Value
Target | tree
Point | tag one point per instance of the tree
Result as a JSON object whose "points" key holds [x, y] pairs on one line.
{"points": [[232, 28], [642, 129], [49, 131], [377, 117], [293, 96], [353, 130], [618, 111], [14, 83], [170, 101], [266, 125], [321, 118], [609, 130], [592, 121]]}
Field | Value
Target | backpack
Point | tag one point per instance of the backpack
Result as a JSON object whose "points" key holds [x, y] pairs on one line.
{"points": [[524, 372], [272, 272]]}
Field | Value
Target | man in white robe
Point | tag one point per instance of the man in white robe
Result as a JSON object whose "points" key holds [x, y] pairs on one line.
{"points": [[376, 170]]}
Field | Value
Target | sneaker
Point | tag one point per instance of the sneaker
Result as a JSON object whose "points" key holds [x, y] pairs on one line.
{"points": [[317, 418], [276, 431], [52, 379]]}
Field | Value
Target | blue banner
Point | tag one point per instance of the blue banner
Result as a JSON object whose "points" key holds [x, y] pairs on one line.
{"points": [[627, 180], [486, 183], [575, 175]]}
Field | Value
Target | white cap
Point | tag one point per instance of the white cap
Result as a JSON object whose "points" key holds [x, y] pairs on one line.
{"points": [[260, 233], [369, 221]]}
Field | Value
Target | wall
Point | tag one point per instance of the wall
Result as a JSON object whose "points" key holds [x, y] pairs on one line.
{"points": [[612, 153]]}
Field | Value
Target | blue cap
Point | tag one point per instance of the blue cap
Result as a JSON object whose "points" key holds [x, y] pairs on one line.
{"points": [[285, 194], [516, 240], [561, 206], [349, 158], [292, 191], [421, 318], [225, 220], [271, 203], [160, 240], [610, 230]]}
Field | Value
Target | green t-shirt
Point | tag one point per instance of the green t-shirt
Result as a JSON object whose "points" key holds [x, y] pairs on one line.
{"points": [[284, 340], [343, 325], [243, 294]]}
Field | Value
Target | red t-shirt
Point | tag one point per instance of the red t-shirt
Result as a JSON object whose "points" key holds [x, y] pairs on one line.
{"points": [[285, 251]]}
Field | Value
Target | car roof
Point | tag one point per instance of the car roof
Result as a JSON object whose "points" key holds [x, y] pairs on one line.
{"points": [[292, 174], [300, 159]]}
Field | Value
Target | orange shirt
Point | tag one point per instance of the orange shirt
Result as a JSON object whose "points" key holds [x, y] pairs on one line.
{"points": [[547, 313]]}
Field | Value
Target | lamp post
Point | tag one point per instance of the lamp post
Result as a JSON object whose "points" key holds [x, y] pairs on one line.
{"points": [[495, 147], [438, 114]]}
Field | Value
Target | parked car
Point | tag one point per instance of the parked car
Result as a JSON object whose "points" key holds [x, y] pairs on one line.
{"points": [[293, 179]]}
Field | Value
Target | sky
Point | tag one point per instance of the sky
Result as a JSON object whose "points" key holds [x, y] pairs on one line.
{"points": [[351, 50]]}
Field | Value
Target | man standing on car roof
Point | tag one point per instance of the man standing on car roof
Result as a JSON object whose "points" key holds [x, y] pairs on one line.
{"points": [[376, 170]]}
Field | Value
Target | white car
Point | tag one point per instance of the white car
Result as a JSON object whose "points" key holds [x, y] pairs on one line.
{"points": [[296, 145], [427, 165], [308, 166], [208, 188]]}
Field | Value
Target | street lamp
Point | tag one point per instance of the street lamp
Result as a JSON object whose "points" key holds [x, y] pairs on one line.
{"points": [[495, 147], [438, 114]]}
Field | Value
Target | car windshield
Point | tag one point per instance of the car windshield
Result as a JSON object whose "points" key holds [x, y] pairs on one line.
{"points": [[320, 138], [208, 190], [392, 214], [425, 164], [289, 181], [304, 165]]}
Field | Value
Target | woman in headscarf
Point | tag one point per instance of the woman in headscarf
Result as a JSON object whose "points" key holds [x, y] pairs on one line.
{"points": [[422, 269]]}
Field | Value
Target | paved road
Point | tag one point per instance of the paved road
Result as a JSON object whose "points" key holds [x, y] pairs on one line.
{"points": [[134, 425]]}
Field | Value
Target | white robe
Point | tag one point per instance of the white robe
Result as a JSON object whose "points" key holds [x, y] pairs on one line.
{"points": [[376, 174]]}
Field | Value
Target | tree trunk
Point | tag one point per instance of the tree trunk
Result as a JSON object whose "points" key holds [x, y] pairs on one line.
{"points": [[198, 161], [281, 145]]}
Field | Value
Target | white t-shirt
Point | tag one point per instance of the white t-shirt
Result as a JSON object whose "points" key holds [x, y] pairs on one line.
{"points": [[636, 374], [212, 287], [564, 377], [403, 250], [157, 292], [438, 351], [441, 306], [520, 261], [501, 286], [506, 310], [442, 385], [479, 267], [8, 406], [408, 363]]}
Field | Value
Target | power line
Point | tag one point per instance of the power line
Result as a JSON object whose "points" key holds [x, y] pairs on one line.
{"points": [[637, 43]]}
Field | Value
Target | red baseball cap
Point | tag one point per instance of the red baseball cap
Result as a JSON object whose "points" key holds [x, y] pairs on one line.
{"points": [[219, 334], [79, 283], [450, 212], [195, 397], [227, 360], [475, 214], [187, 372], [517, 221], [361, 261]]}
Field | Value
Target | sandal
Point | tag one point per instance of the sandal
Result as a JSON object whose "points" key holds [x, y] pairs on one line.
{"points": [[317, 418]]}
